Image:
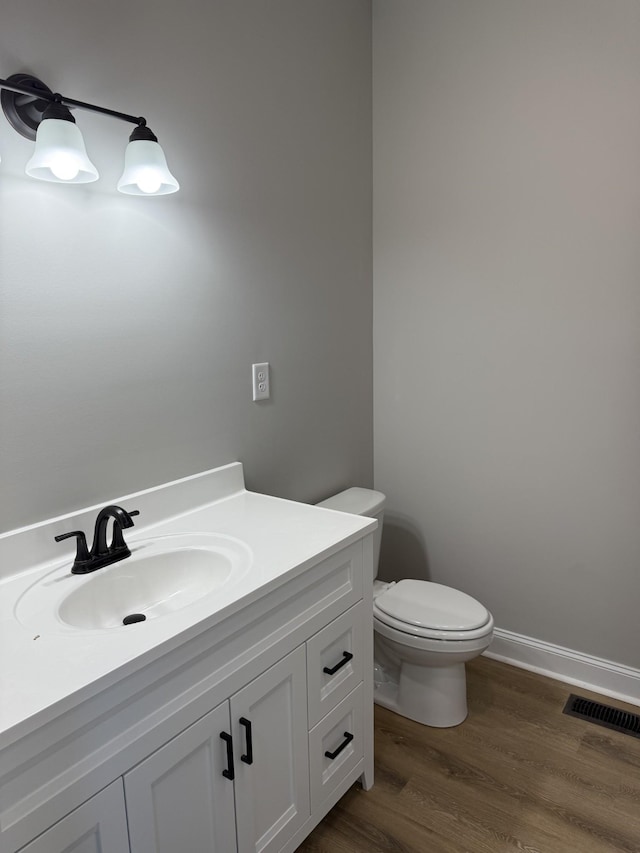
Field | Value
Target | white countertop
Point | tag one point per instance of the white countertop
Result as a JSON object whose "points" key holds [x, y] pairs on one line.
{"points": [[47, 669]]}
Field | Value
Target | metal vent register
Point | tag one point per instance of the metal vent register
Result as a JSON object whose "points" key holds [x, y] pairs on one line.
{"points": [[603, 715]]}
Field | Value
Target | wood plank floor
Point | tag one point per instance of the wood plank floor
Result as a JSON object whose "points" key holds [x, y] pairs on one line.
{"points": [[517, 775]]}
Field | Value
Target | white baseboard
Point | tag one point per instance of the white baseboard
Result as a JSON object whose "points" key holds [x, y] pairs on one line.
{"points": [[591, 673]]}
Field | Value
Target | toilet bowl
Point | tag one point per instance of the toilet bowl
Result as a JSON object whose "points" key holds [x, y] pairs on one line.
{"points": [[424, 633]]}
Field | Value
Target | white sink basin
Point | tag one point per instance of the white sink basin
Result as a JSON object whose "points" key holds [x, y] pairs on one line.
{"points": [[163, 575]]}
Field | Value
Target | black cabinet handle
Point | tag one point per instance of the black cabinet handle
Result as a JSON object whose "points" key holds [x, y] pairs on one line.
{"points": [[348, 737], [229, 773], [248, 756], [346, 657]]}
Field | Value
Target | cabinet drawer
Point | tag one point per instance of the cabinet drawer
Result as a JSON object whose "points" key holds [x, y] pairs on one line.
{"points": [[335, 662], [336, 746]]}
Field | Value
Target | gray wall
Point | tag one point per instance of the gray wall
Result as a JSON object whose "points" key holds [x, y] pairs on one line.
{"points": [[507, 308], [128, 325]]}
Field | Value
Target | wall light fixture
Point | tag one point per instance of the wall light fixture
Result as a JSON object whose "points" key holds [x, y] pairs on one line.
{"points": [[60, 155]]}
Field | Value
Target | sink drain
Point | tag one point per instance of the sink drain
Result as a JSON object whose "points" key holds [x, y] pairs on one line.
{"points": [[133, 618]]}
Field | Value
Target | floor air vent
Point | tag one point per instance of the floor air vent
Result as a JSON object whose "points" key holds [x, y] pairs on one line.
{"points": [[603, 715]]}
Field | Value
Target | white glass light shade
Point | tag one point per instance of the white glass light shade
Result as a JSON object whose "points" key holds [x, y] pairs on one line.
{"points": [[60, 154], [145, 170]]}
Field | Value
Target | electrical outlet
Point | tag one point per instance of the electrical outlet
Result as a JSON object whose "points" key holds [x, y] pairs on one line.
{"points": [[260, 376]]}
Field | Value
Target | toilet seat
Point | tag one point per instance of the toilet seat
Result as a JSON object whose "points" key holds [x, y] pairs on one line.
{"points": [[431, 610]]}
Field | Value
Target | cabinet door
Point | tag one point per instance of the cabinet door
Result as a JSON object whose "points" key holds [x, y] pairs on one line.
{"points": [[97, 826], [178, 801], [272, 757]]}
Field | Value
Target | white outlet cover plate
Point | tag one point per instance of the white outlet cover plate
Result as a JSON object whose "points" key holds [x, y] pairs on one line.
{"points": [[260, 380]]}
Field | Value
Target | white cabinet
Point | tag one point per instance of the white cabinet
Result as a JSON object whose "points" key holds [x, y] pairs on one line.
{"points": [[239, 741], [336, 746], [269, 719], [335, 662], [97, 826], [246, 771], [178, 799]]}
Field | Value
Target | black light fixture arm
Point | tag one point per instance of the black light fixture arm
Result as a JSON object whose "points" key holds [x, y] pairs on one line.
{"points": [[71, 102], [22, 112]]}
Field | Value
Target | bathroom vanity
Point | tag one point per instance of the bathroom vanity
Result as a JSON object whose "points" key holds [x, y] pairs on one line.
{"points": [[233, 718]]}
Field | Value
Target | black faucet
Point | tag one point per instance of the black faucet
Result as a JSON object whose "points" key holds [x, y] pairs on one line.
{"points": [[102, 554]]}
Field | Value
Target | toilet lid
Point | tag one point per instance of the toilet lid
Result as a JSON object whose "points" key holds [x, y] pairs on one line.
{"points": [[432, 605]]}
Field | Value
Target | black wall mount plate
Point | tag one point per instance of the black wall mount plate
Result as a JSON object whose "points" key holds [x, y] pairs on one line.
{"points": [[24, 112]]}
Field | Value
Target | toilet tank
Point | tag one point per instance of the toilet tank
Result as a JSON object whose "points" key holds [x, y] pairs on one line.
{"points": [[359, 501]]}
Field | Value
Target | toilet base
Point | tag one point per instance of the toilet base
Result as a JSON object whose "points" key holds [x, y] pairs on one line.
{"points": [[433, 696]]}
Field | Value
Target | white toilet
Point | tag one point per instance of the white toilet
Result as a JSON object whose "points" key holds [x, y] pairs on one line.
{"points": [[424, 634]]}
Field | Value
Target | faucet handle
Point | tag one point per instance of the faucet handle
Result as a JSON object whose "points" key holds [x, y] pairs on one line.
{"points": [[82, 552], [117, 541]]}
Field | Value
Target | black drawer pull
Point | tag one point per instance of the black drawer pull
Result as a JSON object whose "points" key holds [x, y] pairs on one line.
{"points": [[229, 773], [347, 656], [348, 737], [248, 756]]}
